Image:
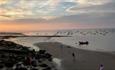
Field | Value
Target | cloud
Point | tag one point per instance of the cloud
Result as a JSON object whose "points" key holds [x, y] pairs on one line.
{"points": [[3, 1], [90, 6], [91, 12], [48, 9], [95, 19], [17, 9], [92, 2]]}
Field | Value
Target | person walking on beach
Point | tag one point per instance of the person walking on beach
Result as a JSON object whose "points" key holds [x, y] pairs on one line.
{"points": [[73, 55], [101, 67]]}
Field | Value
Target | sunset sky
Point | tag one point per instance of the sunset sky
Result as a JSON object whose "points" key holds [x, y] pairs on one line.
{"points": [[34, 15]]}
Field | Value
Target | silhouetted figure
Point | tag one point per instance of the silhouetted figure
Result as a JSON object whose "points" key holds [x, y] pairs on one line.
{"points": [[73, 55], [101, 67]]}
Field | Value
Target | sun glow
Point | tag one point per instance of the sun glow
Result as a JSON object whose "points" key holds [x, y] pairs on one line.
{"points": [[23, 27]]}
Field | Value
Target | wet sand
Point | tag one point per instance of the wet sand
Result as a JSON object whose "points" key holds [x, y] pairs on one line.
{"points": [[84, 60]]}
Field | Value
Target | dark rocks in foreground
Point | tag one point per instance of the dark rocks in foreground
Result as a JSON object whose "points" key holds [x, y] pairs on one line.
{"points": [[11, 45], [17, 57]]}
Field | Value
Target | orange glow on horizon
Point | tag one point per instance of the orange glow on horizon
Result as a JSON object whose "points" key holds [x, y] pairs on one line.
{"points": [[27, 27], [23, 27]]}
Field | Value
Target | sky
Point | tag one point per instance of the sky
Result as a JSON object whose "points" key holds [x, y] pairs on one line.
{"points": [[34, 15]]}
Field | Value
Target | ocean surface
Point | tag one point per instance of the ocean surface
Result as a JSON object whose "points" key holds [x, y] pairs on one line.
{"points": [[99, 39]]}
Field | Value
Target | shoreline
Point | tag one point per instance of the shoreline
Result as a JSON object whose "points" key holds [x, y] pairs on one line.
{"points": [[84, 59]]}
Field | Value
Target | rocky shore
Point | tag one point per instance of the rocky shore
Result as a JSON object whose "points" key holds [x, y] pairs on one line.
{"points": [[17, 57]]}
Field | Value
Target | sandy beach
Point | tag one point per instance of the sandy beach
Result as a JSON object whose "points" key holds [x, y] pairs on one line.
{"points": [[83, 60]]}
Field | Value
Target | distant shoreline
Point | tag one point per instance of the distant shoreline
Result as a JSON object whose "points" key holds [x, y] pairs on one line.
{"points": [[54, 30]]}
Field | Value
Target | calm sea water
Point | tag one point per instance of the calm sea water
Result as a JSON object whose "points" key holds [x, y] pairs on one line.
{"points": [[99, 39]]}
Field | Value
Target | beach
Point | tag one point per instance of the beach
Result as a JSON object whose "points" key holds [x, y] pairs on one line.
{"points": [[57, 34], [98, 48], [83, 60]]}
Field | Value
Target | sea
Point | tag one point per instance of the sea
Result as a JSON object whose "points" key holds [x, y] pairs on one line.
{"points": [[102, 40]]}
